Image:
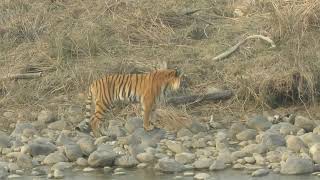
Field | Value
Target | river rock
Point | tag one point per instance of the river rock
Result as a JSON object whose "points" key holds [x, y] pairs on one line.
{"points": [[133, 123], [87, 145], [73, 151], [20, 127], [61, 166], [145, 157], [115, 132], [225, 156], [12, 167], [4, 140], [316, 130], [58, 125], [287, 128], [202, 163], [248, 134], [169, 165], [197, 127], [237, 154], [126, 161], [272, 140], [64, 139], [295, 143], [46, 116], [24, 161], [274, 156], [107, 169], [255, 148], [260, 172], [88, 169], [217, 165], [41, 148], [3, 172], [237, 128], [39, 171], [146, 138], [310, 139], [142, 165], [54, 158], [103, 156], [250, 160], [184, 132], [260, 160], [14, 176], [201, 176], [296, 165], [82, 162], [315, 152], [175, 146], [58, 174], [136, 149], [304, 123], [185, 158], [199, 143], [259, 122]]}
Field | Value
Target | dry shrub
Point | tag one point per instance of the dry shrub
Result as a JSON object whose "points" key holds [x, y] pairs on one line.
{"points": [[172, 119], [295, 17], [140, 23], [289, 74]]}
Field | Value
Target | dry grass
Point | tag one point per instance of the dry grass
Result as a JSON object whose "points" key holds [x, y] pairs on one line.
{"points": [[172, 119], [74, 42], [291, 74]]}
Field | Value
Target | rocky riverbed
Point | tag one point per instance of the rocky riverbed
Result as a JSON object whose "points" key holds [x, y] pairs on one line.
{"points": [[258, 146]]}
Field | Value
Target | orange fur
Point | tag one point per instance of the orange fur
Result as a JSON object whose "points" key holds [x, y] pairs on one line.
{"points": [[144, 88]]}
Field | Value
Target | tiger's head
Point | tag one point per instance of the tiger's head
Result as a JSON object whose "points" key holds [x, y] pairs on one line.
{"points": [[175, 78], [167, 79]]}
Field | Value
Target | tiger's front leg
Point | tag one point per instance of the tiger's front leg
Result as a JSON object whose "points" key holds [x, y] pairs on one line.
{"points": [[147, 109]]}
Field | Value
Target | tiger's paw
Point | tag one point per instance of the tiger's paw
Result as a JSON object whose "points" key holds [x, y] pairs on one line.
{"points": [[96, 128], [148, 128]]}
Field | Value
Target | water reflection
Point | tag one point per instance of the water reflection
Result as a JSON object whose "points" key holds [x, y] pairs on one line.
{"points": [[146, 174]]}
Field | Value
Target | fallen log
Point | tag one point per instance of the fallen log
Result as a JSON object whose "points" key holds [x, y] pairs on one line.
{"points": [[221, 95], [22, 76]]}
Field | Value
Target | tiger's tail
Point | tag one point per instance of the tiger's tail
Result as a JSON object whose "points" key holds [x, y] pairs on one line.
{"points": [[88, 106], [84, 126]]}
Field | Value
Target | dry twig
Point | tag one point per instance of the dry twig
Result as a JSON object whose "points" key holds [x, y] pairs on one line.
{"points": [[235, 47]]}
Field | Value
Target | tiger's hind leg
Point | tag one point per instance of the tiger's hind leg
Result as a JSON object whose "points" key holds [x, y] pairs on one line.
{"points": [[147, 111], [96, 121]]}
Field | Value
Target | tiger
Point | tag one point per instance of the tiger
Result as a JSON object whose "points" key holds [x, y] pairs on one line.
{"points": [[144, 88]]}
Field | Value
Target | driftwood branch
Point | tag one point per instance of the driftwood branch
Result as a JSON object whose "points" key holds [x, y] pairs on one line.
{"points": [[235, 47], [22, 76], [222, 95]]}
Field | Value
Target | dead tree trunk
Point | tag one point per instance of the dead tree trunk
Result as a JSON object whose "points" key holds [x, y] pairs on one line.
{"points": [[21, 76], [222, 95]]}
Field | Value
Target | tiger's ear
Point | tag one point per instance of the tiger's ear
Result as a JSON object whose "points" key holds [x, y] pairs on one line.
{"points": [[179, 72]]}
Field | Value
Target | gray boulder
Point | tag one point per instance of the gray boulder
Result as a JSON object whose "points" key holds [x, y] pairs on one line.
{"points": [[87, 145], [73, 151], [304, 123], [169, 165], [296, 165], [103, 156], [126, 161], [258, 122]]}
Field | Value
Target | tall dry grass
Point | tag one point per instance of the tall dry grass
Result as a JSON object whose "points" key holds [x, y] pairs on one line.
{"points": [[74, 42], [290, 74]]}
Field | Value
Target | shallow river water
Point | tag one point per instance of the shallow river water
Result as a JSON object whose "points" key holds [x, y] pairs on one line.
{"points": [[150, 175]]}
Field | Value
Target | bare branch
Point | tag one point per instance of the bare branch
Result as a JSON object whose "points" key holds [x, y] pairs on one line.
{"points": [[235, 47]]}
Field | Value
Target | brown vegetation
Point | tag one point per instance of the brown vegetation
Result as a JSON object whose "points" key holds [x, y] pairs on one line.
{"points": [[73, 42]]}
